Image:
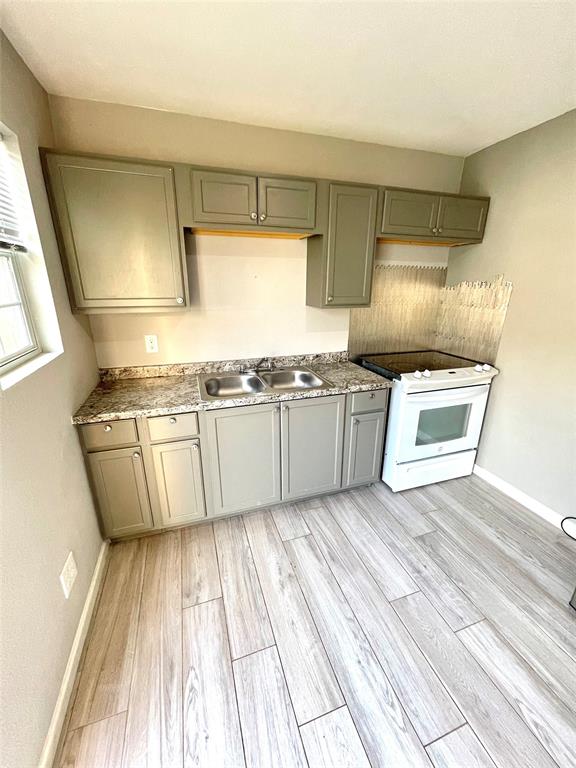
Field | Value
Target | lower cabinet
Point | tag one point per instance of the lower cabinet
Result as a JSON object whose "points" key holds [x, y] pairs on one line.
{"points": [[364, 442], [121, 490], [248, 457], [178, 472], [312, 438], [243, 460]]}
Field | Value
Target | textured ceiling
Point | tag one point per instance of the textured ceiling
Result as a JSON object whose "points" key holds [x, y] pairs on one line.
{"points": [[449, 77]]}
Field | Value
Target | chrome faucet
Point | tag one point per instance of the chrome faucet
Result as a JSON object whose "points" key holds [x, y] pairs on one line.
{"points": [[260, 364]]}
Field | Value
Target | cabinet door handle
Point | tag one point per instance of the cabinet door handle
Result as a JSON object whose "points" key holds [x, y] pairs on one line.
{"points": [[330, 299], [135, 455], [439, 230], [195, 447], [179, 300], [262, 217], [372, 395], [355, 422], [277, 408], [284, 407], [172, 420], [253, 215], [434, 230], [107, 428]]}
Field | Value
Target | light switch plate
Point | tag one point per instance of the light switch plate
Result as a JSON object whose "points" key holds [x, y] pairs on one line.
{"points": [[68, 575], [151, 342]]}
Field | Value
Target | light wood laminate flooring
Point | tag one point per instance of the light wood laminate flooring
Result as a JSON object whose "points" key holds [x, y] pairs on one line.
{"points": [[428, 629]]}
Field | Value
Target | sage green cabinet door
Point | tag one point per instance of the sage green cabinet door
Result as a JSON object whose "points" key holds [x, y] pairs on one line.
{"points": [[462, 217], [350, 247], [121, 490], [118, 231], [178, 470], [409, 213], [243, 457], [312, 438], [224, 198], [286, 203], [363, 449]]}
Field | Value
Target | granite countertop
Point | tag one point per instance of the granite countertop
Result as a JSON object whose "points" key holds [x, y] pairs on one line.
{"points": [[128, 398]]}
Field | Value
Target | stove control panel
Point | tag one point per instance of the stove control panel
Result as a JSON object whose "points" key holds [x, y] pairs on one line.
{"points": [[419, 381]]}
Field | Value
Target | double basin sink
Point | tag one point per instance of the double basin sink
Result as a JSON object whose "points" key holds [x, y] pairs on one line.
{"points": [[219, 386]]}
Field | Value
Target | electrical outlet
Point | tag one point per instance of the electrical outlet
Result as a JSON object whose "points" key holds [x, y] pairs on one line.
{"points": [[151, 342], [68, 575]]}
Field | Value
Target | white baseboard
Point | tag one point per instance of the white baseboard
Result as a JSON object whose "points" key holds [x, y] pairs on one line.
{"points": [[53, 735], [533, 505]]}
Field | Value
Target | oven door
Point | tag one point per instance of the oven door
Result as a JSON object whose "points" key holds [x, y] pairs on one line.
{"points": [[445, 421]]}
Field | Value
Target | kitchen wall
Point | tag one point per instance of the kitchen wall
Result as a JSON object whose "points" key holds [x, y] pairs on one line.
{"points": [[46, 507], [249, 293], [529, 436]]}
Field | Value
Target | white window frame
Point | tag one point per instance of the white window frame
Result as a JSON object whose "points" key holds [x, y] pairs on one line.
{"points": [[20, 242], [7, 362], [12, 247]]}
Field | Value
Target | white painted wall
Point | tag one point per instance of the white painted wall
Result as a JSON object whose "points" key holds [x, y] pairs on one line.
{"points": [[46, 508], [249, 301]]}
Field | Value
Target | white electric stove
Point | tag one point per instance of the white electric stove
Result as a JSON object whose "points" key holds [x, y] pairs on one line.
{"points": [[435, 418]]}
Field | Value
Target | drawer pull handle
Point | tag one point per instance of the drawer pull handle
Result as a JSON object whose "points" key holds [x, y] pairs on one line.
{"points": [[107, 428], [172, 420], [136, 455]]}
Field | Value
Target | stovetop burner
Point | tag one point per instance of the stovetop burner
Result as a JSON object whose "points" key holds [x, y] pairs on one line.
{"points": [[394, 364]]}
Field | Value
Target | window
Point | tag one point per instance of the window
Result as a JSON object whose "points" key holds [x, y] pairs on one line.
{"points": [[29, 331], [18, 339]]}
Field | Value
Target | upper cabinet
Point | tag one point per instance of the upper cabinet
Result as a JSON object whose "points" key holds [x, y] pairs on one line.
{"points": [[462, 217], [287, 203], [225, 198], [409, 213], [426, 216], [120, 226], [339, 268], [118, 231]]}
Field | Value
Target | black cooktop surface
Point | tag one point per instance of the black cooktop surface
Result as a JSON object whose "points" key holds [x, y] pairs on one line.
{"points": [[395, 363]]}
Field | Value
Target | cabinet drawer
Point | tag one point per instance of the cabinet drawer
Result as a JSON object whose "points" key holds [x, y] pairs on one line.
{"points": [[108, 434], [369, 401], [175, 426]]}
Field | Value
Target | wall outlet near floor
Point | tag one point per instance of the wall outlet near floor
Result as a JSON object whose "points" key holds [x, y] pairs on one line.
{"points": [[151, 342], [68, 575]]}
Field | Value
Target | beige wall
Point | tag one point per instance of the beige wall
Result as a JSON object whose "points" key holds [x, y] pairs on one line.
{"points": [[249, 293], [529, 437], [45, 505], [92, 126]]}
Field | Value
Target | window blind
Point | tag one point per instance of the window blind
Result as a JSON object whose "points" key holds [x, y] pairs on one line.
{"points": [[10, 234], [18, 338]]}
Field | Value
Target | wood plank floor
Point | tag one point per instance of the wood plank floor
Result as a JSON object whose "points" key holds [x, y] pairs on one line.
{"points": [[425, 629]]}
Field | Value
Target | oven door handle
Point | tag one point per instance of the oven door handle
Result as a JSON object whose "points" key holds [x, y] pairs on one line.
{"points": [[445, 396]]}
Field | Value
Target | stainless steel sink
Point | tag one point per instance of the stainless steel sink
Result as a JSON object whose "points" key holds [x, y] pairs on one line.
{"points": [[220, 386], [293, 378]]}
